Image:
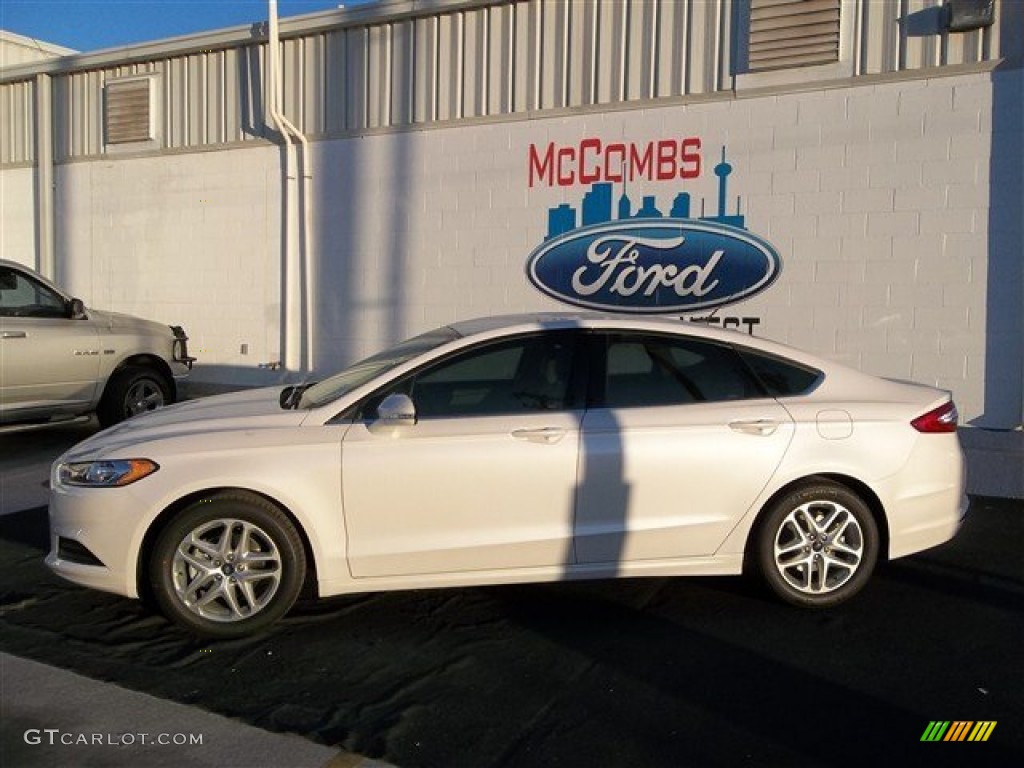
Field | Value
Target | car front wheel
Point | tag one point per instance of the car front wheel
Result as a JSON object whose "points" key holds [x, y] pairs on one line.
{"points": [[228, 565], [817, 546]]}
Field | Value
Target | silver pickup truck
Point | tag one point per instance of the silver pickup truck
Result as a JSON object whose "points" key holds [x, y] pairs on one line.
{"points": [[60, 360]]}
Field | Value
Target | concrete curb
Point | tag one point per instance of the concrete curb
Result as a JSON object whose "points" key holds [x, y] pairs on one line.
{"points": [[52, 717]]}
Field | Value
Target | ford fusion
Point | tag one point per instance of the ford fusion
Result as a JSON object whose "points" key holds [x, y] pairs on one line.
{"points": [[514, 449]]}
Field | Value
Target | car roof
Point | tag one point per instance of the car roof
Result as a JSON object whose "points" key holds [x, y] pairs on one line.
{"points": [[842, 381], [558, 320], [567, 320], [497, 325]]}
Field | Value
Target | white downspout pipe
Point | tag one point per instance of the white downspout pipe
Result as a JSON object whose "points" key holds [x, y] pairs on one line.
{"points": [[298, 284], [46, 261], [305, 242]]}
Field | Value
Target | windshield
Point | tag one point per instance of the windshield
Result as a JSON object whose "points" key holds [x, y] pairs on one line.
{"points": [[360, 373]]}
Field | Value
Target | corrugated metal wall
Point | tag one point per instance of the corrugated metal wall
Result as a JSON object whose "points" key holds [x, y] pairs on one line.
{"points": [[17, 131], [886, 42], [503, 59], [477, 61], [18, 49]]}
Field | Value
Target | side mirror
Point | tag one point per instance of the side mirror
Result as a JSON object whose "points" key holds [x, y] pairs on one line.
{"points": [[395, 411], [286, 398], [76, 309]]}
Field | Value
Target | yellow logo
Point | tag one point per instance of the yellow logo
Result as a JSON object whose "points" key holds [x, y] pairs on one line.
{"points": [[958, 730]]}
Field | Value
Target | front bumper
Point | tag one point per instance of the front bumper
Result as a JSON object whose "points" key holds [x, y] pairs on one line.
{"points": [[181, 354], [105, 523]]}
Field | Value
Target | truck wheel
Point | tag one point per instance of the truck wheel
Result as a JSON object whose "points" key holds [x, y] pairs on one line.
{"points": [[131, 391]]}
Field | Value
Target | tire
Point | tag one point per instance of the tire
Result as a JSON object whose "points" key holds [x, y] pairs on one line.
{"points": [[227, 565], [131, 391], [817, 546]]}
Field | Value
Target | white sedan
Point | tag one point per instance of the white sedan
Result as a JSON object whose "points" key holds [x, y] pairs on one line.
{"points": [[514, 449]]}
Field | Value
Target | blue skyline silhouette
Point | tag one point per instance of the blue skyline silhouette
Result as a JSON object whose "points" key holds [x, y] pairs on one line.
{"points": [[597, 205]]}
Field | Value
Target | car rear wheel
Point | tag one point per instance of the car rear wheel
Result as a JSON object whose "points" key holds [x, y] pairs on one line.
{"points": [[131, 391], [228, 565], [817, 546]]}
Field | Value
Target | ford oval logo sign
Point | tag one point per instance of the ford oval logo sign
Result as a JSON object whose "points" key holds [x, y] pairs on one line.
{"points": [[654, 266]]}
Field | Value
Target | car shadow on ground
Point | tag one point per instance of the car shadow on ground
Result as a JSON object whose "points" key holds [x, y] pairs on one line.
{"points": [[655, 672], [29, 528]]}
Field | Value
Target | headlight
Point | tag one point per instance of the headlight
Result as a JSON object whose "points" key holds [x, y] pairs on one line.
{"points": [[106, 474]]}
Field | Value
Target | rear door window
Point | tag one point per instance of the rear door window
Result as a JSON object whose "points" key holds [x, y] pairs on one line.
{"points": [[654, 370], [780, 377]]}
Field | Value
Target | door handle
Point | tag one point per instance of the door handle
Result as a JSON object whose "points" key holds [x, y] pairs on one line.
{"points": [[540, 435], [13, 335], [762, 427]]}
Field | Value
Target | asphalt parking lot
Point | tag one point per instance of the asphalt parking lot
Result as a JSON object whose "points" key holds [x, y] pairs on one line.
{"points": [[659, 672]]}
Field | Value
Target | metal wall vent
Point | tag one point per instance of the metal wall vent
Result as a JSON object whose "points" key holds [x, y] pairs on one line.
{"points": [[129, 111], [793, 33]]}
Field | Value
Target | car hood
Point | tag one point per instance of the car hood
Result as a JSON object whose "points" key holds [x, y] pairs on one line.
{"points": [[247, 411], [120, 323]]}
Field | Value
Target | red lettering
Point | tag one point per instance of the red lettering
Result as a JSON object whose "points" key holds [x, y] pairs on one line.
{"points": [[594, 146], [690, 168], [667, 167], [641, 164], [566, 174], [614, 170], [591, 161], [544, 169]]}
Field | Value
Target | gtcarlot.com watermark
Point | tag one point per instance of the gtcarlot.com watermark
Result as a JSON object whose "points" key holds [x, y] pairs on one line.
{"points": [[53, 737]]}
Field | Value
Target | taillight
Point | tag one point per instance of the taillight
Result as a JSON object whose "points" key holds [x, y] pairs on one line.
{"points": [[942, 419]]}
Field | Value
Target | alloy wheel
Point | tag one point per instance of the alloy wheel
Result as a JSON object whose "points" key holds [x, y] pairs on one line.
{"points": [[818, 547], [226, 570]]}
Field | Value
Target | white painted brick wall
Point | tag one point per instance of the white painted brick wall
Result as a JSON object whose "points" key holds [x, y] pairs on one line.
{"points": [[865, 200], [17, 233], [821, 108], [893, 366], [776, 111], [819, 202], [896, 176], [820, 158], [185, 240], [917, 198], [941, 172], [967, 194], [871, 153], [935, 98], [811, 249], [797, 137], [885, 223], [775, 160], [917, 149], [806, 180], [849, 225], [866, 296], [842, 272], [876, 197]]}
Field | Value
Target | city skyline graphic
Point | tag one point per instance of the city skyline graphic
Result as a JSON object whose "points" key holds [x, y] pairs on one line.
{"points": [[597, 206]]}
